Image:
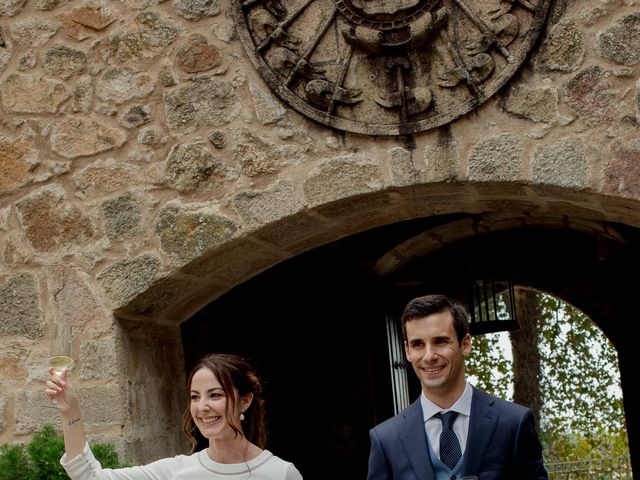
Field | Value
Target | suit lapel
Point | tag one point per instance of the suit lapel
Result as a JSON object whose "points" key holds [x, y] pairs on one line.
{"points": [[414, 441], [482, 424]]}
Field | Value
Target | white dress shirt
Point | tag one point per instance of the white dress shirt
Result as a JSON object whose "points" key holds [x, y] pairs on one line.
{"points": [[433, 425]]}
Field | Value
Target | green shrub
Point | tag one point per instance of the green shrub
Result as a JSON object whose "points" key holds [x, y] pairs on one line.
{"points": [[40, 459], [15, 463], [45, 450]]}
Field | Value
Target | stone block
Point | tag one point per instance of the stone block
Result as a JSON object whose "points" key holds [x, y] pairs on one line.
{"points": [[188, 233], [20, 306], [496, 159], [340, 177], [128, 277], [563, 164], [280, 200]]}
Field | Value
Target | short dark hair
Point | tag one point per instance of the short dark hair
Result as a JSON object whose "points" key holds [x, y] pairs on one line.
{"points": [[234, 373], [421, 307]]}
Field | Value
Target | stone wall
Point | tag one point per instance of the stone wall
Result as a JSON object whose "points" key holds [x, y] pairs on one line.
{"points": [[146, 169]]}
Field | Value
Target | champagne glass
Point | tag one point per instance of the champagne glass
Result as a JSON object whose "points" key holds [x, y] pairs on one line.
{"points": [[60, 349]]}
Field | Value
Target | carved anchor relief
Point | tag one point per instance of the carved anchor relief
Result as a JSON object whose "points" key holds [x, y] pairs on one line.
{"points": [[387, 67]]}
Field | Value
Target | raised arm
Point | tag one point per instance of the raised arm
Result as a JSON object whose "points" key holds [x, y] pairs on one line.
{"points": [[62, 395]]}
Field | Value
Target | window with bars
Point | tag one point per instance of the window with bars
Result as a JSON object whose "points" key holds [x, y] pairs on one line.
{"points": [[398, 365]]}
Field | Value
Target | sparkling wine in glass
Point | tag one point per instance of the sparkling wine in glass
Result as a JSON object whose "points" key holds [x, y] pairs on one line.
{"points": [[60, 350]]}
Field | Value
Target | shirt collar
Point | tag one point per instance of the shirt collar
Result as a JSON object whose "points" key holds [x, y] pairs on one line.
{"points": [[462, 405]]}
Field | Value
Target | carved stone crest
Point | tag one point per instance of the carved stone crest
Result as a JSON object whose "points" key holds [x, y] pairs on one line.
{"points": [[387, 67]]}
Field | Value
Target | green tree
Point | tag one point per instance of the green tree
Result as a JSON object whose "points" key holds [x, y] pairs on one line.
{"points": [[564, 368]]}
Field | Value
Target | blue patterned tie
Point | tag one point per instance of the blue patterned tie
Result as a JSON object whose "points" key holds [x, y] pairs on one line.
{"points": [[450, 451]]}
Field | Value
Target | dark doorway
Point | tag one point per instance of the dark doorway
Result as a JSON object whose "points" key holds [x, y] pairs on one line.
{"points": [[315, 326]]}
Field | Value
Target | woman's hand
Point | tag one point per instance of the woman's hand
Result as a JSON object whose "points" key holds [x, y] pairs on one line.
{"points": [[61, 394]]}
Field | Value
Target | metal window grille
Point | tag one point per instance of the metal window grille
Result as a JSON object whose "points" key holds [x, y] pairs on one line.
{"points": [[398, 365], [596, 469]]}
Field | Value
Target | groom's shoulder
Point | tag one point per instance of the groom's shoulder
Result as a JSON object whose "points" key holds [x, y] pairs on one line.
{"points": [[393, 422]]}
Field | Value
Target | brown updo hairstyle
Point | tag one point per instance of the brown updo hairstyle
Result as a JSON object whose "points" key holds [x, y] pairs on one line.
{"points": [[237, 378]]}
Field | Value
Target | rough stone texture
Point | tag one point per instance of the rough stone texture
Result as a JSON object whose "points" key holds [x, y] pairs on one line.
{"points": [[12, 363], [621, 42], [197, 55], [539, 105], [148, 136], [17, 161], [105, 176], [30, 416], [403, 171], [562, 163], [77, 137], [82, 95], [4, 217], [441, 159], [4, 59], [165, 296], [340, 177], [20, 306], [122, 216], [622, 170], [189, 166], [196, 9], [50, 223], [143, 38], [34, 32], [28, 94], [83, 22], [3, 407], [47, 5], [128, 277], [190, 233], [136, 116], [100, 407], [255, 155], [166, 77], [121, 85], [268, 109], [27, 62], [99, 360], [266, 206], [72, 300], [206, 102], [217, 137], [589, 96], [64, 62], [496, 159], [564, 48], [96, 15], [142, 4], [11, 7], [225, 31]]}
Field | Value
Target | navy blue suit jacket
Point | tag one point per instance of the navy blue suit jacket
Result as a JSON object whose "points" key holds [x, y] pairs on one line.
{"points": [[502, 444]]}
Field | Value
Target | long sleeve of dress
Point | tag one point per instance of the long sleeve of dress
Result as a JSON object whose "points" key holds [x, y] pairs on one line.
{"points": [[86, 467]]}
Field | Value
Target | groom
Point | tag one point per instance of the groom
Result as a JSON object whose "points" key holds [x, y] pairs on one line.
{"points": [[453, 429]]}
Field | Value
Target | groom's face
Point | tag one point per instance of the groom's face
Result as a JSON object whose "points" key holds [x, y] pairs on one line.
{"points": [[437, 357]]}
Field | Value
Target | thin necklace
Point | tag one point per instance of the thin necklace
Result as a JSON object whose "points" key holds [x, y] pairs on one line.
{"points": [[248, 470]]}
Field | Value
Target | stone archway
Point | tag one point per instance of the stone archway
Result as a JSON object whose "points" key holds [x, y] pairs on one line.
{"points": [[449, 215]]}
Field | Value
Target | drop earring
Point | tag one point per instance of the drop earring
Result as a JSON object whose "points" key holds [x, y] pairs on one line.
{"points": [[242, 416]]}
